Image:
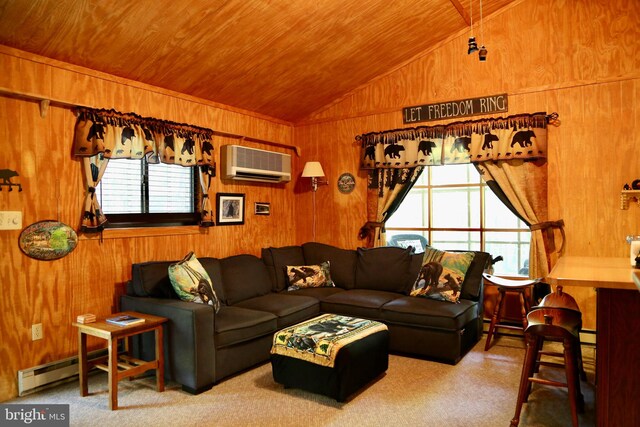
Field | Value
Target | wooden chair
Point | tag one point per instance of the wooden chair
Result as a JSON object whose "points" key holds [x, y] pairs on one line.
{"points": [[552, 324], [504, 286]]}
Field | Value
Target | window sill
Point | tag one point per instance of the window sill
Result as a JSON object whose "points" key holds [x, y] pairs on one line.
{"points": [[125, 233]]}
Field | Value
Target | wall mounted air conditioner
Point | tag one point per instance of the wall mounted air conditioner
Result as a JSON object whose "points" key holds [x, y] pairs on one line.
{"points": [[252, 164]]}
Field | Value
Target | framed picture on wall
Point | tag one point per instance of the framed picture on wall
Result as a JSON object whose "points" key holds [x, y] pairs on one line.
{"points": [[230, 208], [262, 208]]}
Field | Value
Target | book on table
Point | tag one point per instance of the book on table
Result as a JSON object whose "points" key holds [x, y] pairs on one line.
{"points": [[125, 320], [86, 318]]}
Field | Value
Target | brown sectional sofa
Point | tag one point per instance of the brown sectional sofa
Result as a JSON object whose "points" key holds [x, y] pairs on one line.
{"points": [[203, 347]]}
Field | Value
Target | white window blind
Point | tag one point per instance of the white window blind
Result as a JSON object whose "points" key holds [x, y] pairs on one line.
{"points": [[167, 189], [170, 189], [120, 189]]}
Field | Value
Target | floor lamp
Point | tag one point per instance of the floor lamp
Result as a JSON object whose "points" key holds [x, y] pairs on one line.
{"points": [[314, 171]]}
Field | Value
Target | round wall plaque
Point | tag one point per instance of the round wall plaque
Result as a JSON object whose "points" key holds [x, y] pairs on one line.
{"points": [[346, 183], [48, 240]]}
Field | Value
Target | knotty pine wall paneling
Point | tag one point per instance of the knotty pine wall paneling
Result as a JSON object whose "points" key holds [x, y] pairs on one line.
{"points": [[338, 216], [90, 279], [577, 58]]}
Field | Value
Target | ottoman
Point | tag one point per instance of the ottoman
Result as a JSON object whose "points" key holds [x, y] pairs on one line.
{"points": [[331, 355]]}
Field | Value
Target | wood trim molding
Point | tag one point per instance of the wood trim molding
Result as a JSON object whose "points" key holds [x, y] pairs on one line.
{"points": [[6, 50], [523, 91], [46, 102], [126, 233], [462, 11]]}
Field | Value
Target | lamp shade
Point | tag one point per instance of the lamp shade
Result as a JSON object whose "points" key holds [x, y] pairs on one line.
{"points": [[312, 169]]}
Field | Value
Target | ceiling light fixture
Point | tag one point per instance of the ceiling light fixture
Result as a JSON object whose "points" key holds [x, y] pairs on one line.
{"points": [[482, 53], [473, 46]]}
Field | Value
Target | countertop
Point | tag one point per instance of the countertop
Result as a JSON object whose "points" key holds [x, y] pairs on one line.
{"points": [[595, 272]]}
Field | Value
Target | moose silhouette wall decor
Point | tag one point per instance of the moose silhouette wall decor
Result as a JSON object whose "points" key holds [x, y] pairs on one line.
{"points": [[5, 176]]}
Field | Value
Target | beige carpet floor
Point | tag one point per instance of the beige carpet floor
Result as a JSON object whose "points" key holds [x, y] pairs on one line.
{"points": [[481, 390]]}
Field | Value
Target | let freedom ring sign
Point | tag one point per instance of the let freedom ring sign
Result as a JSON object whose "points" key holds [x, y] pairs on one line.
{"points": [[453, 109]]}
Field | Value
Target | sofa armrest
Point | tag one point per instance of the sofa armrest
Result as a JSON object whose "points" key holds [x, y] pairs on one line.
{"points": [[189, 346]]}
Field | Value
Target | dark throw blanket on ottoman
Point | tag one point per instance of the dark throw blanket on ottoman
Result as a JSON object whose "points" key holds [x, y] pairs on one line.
{"points": [[331, 355]]}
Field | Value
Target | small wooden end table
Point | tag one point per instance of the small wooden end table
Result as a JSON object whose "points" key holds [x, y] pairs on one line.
{"points": [[120, 366]]}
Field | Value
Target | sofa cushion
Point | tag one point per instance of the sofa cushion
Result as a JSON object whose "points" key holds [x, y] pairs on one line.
{"points": [[415, 266], [318, 293], [192, 283], [234, 325], [276, 259], [384, 269], [358, 302], [429, 313], [289, 309], [244, 277], [151, 279], [309, 276], [212, 265], [343, 262], [442, 275], [472, 285]]}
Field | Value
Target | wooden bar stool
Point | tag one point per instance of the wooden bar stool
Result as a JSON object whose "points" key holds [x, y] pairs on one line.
{"points": [[561, 299], [552, 324], [504, 286]]}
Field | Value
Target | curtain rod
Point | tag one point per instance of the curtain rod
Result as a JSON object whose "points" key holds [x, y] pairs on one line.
{"points": [[46, 102]]}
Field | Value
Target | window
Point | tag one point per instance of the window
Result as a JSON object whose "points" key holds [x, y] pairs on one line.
{"points": [[135, 193], [453, 209]]}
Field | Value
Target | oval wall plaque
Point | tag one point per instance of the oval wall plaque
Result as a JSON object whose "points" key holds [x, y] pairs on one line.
{"points": [[48, 240]]}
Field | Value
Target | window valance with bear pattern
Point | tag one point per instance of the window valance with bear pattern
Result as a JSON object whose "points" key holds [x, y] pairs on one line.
{"points": [[521, 136]]}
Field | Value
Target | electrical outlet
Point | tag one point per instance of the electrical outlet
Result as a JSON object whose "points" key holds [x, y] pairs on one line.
{"points": [[10, 220], [36, 332]]}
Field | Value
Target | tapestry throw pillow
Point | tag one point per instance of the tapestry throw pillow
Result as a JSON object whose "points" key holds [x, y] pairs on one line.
{"points": [[442, 274], [309, 276], [192, 283]]}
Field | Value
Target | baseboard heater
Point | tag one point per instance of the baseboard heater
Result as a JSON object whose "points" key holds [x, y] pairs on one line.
{"points": [[51, 374]]}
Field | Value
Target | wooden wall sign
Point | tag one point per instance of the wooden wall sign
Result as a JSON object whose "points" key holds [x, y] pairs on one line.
{"points": [[48, 240], [453, 109]]}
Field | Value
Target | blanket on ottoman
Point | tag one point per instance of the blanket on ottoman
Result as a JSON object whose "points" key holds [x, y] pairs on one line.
{"points": [[318, 340]]}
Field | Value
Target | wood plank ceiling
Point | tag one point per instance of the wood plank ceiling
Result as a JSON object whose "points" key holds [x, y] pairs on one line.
{"points": [[281, 58]]}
